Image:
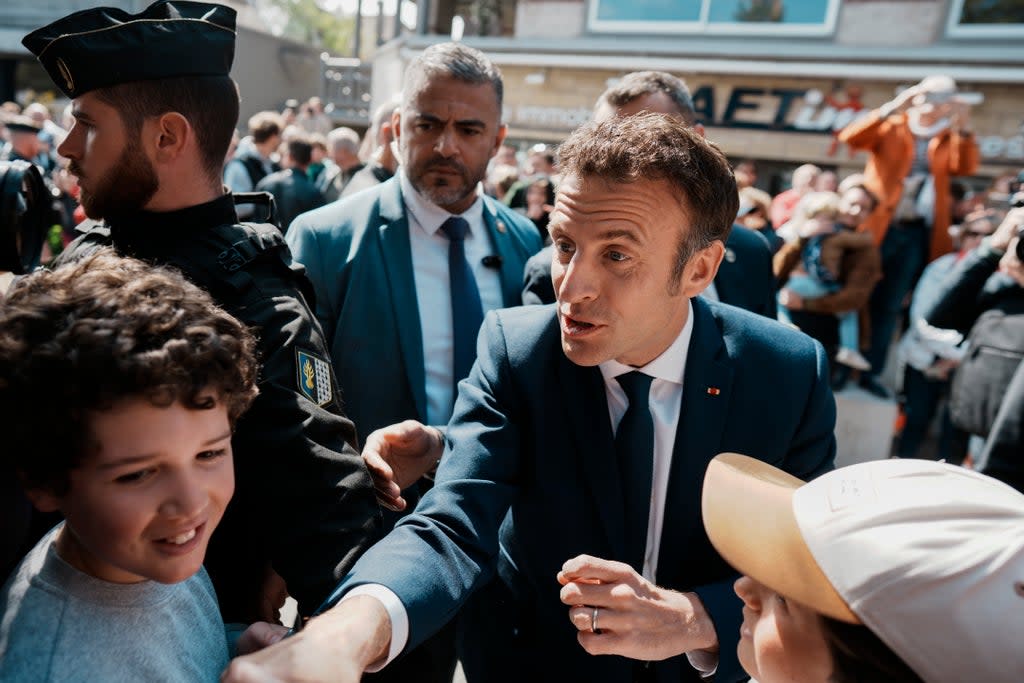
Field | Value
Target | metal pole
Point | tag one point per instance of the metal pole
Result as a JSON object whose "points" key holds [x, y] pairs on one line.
{"points": [[380, 22], [359, 29], [397, 24], [422, 17]]}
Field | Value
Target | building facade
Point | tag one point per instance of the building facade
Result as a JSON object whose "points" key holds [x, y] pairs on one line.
{"points": [[772, 79]]}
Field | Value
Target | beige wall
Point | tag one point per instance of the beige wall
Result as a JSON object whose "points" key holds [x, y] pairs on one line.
{"points": [[270, 70]]}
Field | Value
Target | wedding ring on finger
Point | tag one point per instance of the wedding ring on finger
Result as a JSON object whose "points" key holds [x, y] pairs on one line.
{"points": [[593, 622]]}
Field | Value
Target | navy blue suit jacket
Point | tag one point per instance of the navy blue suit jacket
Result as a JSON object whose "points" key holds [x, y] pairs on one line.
{"points": [[744, 279], [530, 461], [357, 255]]}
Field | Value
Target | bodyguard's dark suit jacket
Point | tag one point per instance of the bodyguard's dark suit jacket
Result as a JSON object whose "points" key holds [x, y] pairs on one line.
{"points": [[531, 437], [744, 279], [357, 255]]}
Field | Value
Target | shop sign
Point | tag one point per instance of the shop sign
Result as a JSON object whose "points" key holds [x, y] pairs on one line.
{"points": [[796, 110]]}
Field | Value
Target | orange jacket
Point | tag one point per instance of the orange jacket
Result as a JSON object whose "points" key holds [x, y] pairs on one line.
{"points": [[891, 147]]}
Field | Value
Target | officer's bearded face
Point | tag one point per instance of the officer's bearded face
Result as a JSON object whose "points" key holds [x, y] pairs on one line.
{"points": [[126, 187]]}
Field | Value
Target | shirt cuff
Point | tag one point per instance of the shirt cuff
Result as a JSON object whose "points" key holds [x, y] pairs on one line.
{"points": [[396, 611], [706, 663]]}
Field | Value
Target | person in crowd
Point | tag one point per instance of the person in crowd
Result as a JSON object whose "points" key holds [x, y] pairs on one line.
{"points": [[745, 173], [815, 269], [540, 199], [755, 205], [783, 204], [343, 145], [930, 355], [858, 271], [382, 162], [983, 298], [319, 158], [500, 179], [540, 163], [744, 278], [506, 156], [889, 571], [24, 143], [404, 271], [147, 147], [572, 465], [827, 181], [294, 193], [137, 458], [916, 143], [255, 157], [312, 118], [289, 113]]}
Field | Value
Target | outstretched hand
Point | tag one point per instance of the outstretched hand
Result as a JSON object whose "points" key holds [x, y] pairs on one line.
{"points": [[258, 636], [398, 456], [634, 617]]}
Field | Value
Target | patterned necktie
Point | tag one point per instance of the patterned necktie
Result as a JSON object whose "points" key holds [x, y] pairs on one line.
{"points": [[634, 448], [467, 311]]}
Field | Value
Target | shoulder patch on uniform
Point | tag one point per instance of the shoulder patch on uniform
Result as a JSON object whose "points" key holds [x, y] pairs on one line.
{"points": [[314, 377]]}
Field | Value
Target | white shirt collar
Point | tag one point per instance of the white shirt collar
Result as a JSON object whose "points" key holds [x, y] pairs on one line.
{"points": [[669, 366], [430, 216]]}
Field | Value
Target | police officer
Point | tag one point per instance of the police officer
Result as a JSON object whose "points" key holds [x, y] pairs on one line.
{"points": [[154, 110]]}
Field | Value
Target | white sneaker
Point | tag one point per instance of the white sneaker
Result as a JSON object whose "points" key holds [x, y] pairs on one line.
{"points": [[853, 359]]}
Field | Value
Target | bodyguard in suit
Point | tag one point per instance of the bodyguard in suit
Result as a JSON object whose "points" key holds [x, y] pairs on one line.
{"points": [[404, 271], [745, 276], [380, 261], [572, 469]]}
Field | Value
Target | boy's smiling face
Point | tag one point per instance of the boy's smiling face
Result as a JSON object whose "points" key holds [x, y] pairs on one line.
{"points": [[144, 503]]}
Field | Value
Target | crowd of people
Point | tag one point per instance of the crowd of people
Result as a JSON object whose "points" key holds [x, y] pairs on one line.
{"points": [[560, 413]]}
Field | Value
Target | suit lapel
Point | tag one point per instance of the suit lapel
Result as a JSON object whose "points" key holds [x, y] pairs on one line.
{"points": [[397, 262], [511, 268], [706, 396], [591, 427]]}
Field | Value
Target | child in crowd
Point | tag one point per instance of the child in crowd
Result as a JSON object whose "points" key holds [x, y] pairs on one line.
{"points": [[891, 571], [824, 242], [120, 384]]}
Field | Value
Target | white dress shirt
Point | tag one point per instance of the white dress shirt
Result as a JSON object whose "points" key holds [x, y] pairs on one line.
{"points": [[429, 248], [666, 400]]}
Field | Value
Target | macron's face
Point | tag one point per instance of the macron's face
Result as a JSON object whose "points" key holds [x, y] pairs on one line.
{"points": [[143, 506], [615, 245]]}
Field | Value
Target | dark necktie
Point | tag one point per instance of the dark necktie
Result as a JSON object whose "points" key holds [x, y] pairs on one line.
{"points": [[467, 312], [634, 448]]}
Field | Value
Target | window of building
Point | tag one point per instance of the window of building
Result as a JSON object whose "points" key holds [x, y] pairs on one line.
{"points": [[993, 18], [764, 17]]}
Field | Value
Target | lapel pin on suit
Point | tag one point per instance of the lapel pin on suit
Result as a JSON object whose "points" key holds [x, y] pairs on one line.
{"points": [[501, 227], [714, 391], [730, 255]]}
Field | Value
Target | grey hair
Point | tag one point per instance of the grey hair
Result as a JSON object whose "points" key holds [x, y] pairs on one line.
{"points": [[457, 61], [639, 83], [343, 138]]}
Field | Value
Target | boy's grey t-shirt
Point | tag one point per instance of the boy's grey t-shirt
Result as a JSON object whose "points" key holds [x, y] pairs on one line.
{"points": [[59, 624]]}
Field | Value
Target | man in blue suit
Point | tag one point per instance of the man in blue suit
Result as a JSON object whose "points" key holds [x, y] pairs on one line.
{"points": [[399, 296], [379, 261], [622, 391], [745, 277]]}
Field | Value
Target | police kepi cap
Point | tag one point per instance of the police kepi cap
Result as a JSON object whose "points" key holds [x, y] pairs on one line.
{"points": [[105, 46], [928, 555]]}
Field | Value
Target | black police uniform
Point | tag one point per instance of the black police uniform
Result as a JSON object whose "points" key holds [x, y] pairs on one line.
{"points": [[304, 501]]}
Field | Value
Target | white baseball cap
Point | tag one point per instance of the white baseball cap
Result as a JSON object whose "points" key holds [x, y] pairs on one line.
{"points": [[929, 556]]}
